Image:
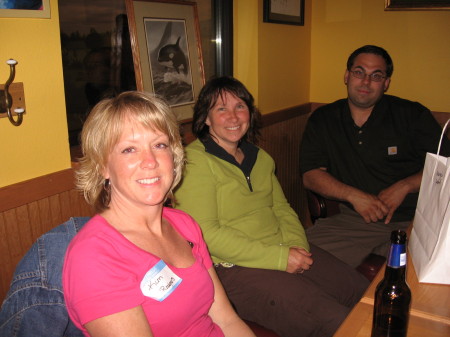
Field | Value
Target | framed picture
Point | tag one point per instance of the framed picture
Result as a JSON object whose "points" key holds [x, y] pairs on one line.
{"points": [[167, 54], [289, 12], [27, 9], [414, 5]]}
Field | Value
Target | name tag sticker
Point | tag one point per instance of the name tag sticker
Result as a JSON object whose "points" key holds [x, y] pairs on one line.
{"points": [[392, 150], [159, 282]]}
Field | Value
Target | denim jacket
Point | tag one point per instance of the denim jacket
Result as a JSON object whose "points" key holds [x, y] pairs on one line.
{"points": [[34, 305]]}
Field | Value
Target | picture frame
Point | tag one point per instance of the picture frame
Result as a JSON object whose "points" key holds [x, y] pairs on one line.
{"points": [[416, 5], [288, 12], [42, 13], [167, 53]]}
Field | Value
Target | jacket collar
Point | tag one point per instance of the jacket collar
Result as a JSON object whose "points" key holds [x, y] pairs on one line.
{"points": [[250, 154]]}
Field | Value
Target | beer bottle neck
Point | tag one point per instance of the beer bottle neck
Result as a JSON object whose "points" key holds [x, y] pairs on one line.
{"points": [[396, 263], [395, 274]]}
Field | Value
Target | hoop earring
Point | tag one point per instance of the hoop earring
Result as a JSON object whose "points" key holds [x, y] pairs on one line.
{"points": [[107, 185], [106, 197]]}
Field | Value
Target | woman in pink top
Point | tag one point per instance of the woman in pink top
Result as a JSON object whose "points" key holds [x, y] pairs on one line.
{"points": [[138, 268]]}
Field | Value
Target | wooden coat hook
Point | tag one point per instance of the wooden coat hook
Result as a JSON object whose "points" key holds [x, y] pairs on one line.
{"points": [[12, 98]]}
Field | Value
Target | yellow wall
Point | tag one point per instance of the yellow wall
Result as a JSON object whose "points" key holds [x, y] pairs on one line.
{"points": [[418, 42], [40, 145], [272, 60], [245, 43]]}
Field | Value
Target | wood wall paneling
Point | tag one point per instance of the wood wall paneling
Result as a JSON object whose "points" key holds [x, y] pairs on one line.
{"points": [[281, 139], [31, 208]]}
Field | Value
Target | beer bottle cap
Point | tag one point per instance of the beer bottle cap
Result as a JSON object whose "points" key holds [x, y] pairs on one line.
{"points": [[398, 237]]}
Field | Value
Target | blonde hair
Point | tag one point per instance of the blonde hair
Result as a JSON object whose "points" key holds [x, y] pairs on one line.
{"points": [[102, 131]]}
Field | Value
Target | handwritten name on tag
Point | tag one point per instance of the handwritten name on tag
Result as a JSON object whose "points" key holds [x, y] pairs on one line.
{"points": [[159, 282]]}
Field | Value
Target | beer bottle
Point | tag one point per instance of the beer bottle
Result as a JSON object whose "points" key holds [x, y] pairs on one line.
{"points": [[392, 295]]}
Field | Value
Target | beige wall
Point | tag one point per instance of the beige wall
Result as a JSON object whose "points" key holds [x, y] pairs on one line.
{"points": [[40, 145], [418, 42]]}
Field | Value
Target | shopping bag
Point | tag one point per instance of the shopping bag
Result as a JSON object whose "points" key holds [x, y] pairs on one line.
{"points": [[429, 244]]}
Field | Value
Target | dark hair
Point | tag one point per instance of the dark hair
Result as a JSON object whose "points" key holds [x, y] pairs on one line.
{"points": [[208, 97], [371, 49]]}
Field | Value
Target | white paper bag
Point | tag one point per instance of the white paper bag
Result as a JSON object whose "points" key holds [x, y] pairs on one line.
{"points": [[429, 244]]}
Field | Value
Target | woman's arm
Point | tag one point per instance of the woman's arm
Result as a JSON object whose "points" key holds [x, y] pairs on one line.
{"points": [[290, 226], [223, 314], [126, 323]]}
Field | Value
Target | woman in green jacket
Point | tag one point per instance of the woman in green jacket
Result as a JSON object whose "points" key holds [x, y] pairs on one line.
{"points": [[269, 271]]}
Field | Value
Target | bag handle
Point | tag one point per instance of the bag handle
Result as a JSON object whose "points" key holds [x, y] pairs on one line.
{"points": [[439, 148], [442, 136]]}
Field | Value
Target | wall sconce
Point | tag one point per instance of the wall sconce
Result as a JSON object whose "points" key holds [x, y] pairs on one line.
{"points": [[12, 97]]}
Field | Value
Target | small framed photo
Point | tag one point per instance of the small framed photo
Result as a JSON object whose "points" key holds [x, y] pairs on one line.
{"points": [[167, 53], [25, 9], [289, 12], [416, 5]]}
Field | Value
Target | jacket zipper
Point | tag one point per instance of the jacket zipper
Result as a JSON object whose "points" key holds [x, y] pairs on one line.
{"points": [[249, 182]]}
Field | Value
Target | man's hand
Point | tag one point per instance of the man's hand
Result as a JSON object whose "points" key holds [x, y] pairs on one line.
{"points": [[372, 208], [369, 206], [392, 197], [299, 260]]}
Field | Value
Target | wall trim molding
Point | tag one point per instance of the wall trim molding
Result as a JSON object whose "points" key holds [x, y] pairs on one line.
{"points": [[285, 114], [27, 191]]}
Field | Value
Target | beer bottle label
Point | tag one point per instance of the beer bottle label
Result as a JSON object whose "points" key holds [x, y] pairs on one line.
{"points": [[397, 256]]}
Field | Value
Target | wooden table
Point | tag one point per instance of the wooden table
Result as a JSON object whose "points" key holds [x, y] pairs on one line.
{"points": [[429, 315]]}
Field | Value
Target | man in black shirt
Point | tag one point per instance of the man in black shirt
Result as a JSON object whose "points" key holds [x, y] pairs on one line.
{"points": [[368, 152]]}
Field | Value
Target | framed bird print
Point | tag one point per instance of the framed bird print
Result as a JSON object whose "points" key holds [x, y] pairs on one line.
{"points": [[167, 53]]}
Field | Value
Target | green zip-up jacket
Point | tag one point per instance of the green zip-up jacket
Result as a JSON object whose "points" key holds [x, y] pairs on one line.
{"points": [[244, 215]]}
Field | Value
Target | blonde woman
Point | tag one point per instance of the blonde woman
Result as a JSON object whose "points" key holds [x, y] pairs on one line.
{"points": [[138, 268]]}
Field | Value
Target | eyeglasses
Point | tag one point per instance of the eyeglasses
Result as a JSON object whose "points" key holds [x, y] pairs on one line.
{"points": [[376, 77]]}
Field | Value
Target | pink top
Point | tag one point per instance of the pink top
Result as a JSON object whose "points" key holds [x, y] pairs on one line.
{"points": [[104, 273]]}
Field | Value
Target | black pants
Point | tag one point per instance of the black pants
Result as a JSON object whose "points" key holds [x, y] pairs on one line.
{"points": [[295, 305]]}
